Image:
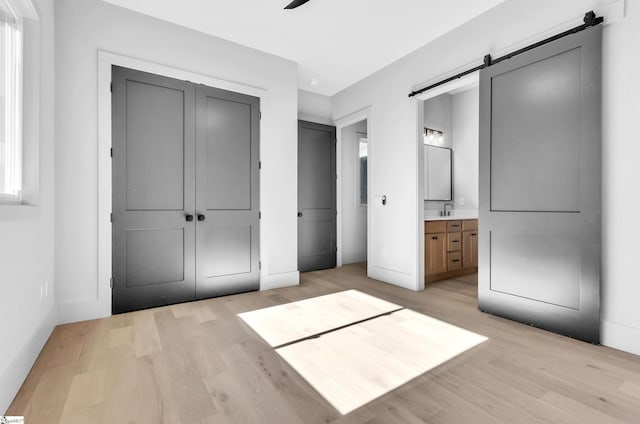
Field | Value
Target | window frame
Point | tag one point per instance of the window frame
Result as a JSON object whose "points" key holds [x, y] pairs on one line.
{"points": [[13, 37], [12, 16]]}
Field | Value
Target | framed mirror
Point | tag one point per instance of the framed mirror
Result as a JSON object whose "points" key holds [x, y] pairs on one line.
{"points": [[437, 173]]}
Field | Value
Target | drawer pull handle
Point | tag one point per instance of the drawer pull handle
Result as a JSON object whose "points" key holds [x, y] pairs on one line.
{"points": [[455, 241], [473, 234], [434, 238], [456, 260]]}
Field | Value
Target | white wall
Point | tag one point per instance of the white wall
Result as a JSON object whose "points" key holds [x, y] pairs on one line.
{"points": [[438, 115], [620, 176], [395, 227], [457, 116], [465, 115], [26, 232], [354, 215], [314, 107], [85, 26]]}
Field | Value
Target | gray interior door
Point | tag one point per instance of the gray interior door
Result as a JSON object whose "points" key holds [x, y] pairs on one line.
{"points": [[539, 235], [316, 196], [185, 191], [153, 190], [227, 192]]}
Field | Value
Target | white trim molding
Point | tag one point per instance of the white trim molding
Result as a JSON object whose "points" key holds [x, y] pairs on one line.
{"points": [[341, 123], [100, 305], [19, 368], [620, 336], [467, 81]]}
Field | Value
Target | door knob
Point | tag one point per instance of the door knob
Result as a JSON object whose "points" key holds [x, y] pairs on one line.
{"points": [[201, 217], [189, 218], [299, 214]]}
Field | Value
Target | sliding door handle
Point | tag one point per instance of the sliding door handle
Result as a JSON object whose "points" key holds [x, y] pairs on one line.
{"points": [[201, 217], [189, 218]]}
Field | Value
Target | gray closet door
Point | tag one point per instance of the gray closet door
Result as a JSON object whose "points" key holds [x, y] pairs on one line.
{"points": [[227, 192], [540, 118], [153, 190], [316, 196]]}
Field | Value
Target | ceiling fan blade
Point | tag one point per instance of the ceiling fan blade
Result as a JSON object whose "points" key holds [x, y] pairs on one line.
{"points": [[295, 3]]}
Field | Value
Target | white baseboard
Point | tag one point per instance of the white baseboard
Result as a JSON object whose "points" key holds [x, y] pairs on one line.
{"points": [[621, 337], [276, 281], [82, 311], [94, 309], [19, 368], [353, 257], [400, 279]]}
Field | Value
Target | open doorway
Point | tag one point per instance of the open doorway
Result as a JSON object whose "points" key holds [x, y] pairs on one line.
{"points": [[354, 149], [448, 129]]}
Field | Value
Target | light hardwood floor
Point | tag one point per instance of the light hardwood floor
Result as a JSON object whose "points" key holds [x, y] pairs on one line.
{"points": [[199, 363]]}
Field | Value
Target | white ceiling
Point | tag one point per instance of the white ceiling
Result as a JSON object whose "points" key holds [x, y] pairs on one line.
{"points": [[336, 42]]}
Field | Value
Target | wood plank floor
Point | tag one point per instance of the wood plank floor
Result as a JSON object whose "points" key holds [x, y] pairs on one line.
{"points": [[199, 363]]}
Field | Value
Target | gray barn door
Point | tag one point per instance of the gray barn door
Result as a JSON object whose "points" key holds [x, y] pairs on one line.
{"points": [[316, 196], [540, 186], [185, 191], [227, 192]]}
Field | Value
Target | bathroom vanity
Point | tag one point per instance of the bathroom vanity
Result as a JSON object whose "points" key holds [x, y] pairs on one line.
{"points": [[450, 247]]}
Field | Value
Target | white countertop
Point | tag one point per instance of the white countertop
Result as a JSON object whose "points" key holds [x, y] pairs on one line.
{"points": [[432, 215]]}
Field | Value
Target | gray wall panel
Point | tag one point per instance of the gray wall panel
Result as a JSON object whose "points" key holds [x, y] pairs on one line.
{"points": [[155, 147], [535, 136], [154, 256]]}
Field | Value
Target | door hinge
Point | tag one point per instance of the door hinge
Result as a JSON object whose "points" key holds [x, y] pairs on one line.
{"points": [[110, 217], [259, 264], [111, 282], [259, 164], [111, 87], [111, 152], [260, 115], [259, 215]]}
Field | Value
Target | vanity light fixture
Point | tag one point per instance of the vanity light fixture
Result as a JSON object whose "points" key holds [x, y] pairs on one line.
{"points": [[432, 136]]}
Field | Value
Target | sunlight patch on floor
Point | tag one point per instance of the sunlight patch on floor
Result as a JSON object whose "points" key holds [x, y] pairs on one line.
{"points": [[357, 363], [282, 324]]}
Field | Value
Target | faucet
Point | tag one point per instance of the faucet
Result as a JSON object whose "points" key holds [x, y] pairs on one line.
{"points": [[444, 211]]}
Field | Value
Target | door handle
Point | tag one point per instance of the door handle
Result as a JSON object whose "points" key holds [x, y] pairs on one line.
{"points": [[299, 214], [201, 217], [189, 218]]}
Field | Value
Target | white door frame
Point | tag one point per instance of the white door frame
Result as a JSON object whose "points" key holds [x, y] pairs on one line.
{"points": [[468, 80], [341, 123], [101, 306]]}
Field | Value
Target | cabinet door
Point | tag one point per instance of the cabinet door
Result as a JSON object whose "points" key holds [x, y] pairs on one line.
{"points": [[435, 252], [469, 249]]}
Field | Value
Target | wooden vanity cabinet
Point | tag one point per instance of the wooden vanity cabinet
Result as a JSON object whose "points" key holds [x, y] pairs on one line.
{"points": [[435, 247], [470, 249], [450, 248]]}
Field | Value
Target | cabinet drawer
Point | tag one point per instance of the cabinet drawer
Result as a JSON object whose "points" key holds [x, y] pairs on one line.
{"points": [[454, 261], [435, 227], [454, 226], [469, 224], [454, 242]]}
